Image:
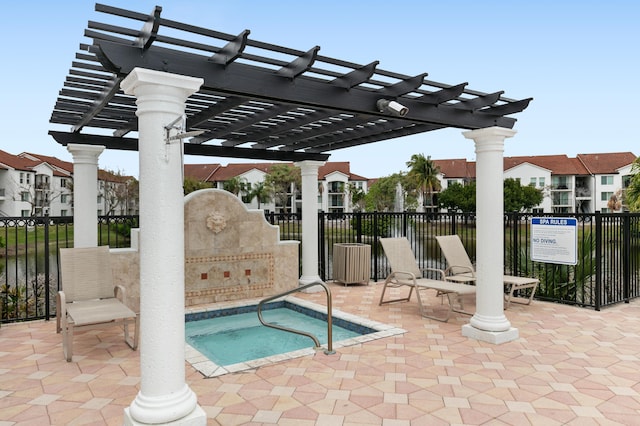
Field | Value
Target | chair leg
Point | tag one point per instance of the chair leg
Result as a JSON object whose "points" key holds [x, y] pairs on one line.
{"points": [[132, 341], [67, 341], [403, 299]]}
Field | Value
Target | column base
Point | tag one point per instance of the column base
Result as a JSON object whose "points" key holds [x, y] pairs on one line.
{"points": [[495, 337], [310, 280], [196, 418], [168, 409]]}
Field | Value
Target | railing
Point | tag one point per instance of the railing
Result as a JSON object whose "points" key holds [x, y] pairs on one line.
{"points": [[29, 260], [607, 272], [329, 350]]}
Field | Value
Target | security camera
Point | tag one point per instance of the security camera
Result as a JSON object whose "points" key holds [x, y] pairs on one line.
{"points": [[392, 107]]}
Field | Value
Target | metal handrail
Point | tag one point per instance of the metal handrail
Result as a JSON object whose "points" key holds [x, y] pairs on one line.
{"points": [[329, 350]]}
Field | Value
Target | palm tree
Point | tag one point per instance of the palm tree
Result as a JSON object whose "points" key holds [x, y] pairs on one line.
{"points": [[262, 192], [423, 174], [235, 185]]}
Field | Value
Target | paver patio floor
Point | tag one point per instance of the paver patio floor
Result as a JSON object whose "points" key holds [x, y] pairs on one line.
{"points": [[570, 366]]}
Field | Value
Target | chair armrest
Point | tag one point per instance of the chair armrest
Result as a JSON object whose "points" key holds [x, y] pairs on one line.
{"points": [[465, 269], [410, 275], [120, 293], [439, 271]]}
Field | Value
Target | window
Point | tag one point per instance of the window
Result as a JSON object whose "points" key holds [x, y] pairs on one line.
{"points": [[24, 196], [63, 183], [25, 213], [28, 178], [604, 196], [21, 178], [541, 181], [63, 198], [63, 212], [605, 210], [533, 181], [606, 180], [336, 187]]}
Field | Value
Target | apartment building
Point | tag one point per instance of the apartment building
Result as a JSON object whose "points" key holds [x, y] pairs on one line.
{"points": [[38, 185], [335, 182], [582, 184]]}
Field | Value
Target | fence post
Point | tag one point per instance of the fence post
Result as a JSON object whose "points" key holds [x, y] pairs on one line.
{"points": [[454, 224], [598, 219], [323, 265], [359, 227], [47, 283], [515, 243], [404, 223], [626, 256], [375, 245]]}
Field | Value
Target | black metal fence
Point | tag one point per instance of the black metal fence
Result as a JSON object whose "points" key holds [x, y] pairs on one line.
{"points": [[608, 249], [29, 260], [607, 271]]}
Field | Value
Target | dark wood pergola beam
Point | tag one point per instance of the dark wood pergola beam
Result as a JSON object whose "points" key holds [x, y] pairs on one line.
{"points": [[131, 144]]}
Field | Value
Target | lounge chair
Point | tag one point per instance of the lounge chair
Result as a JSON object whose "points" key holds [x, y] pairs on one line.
{"points": [[88, 297], [461, 270], [405, 272]]}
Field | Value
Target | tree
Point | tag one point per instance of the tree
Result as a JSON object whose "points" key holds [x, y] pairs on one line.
{"points": [[519, 198], [357, 197], [633, 190], [281, 179], [118, 191], [423, 175], [459, 197], [261, 192], [235, 185], [382, 194], [191, 184]]}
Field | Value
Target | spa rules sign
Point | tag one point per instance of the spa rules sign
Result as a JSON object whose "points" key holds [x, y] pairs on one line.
{"points": [[554, 240]]}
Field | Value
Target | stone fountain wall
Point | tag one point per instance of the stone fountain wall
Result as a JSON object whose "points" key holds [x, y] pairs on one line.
{"points": [[233, 253]]}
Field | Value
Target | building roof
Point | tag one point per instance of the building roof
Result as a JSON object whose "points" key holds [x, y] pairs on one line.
{"points": [[60, 167], [457, 168], [219, 173], [583, 164], [200, 172], [10, 161], [556, 164], [606, 163]]}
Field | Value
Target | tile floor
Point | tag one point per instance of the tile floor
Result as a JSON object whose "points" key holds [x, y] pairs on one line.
{"points": [[570, 366]]}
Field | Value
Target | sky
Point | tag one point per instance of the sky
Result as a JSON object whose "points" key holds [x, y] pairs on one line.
{"points": [[578, 59]]}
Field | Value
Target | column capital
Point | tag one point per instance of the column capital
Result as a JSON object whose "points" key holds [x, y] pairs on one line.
{"points": [[309, 166], [85, 154], [141, 76], [489, 133]]}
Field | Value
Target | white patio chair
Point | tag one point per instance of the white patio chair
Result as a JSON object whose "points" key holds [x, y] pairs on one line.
{"points": [[88, 298], [405, 272], [461, 270]]}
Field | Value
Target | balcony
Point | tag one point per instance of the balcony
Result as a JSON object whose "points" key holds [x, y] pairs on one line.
{"points": [[583, 192]]}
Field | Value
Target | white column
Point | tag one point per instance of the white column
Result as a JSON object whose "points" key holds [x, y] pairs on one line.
{"points": [[489, 322], [85, 193], [164, 396], [309, 172]]}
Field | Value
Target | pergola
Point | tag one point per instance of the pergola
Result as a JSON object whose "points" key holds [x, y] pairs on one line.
{"points": [[184, 89]]}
